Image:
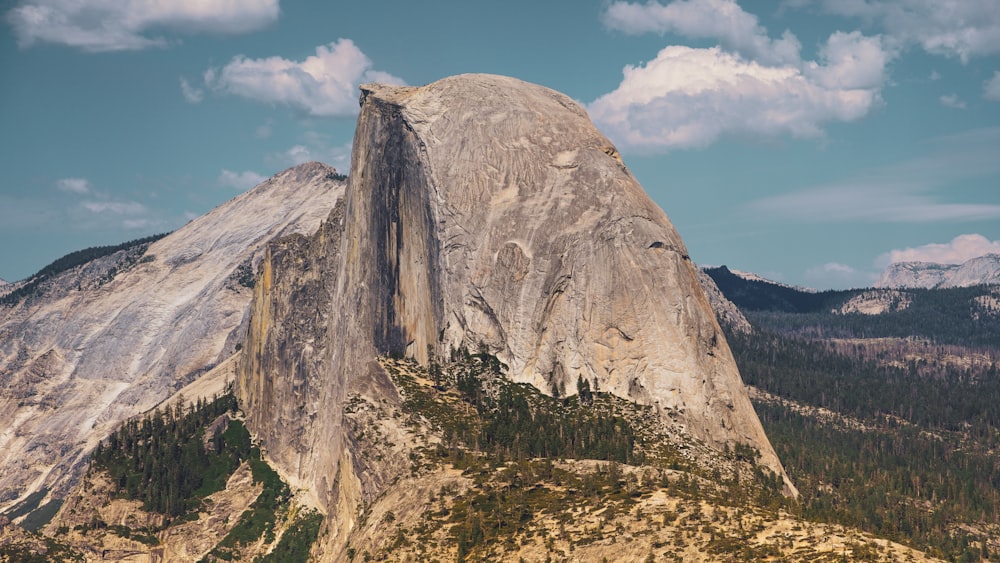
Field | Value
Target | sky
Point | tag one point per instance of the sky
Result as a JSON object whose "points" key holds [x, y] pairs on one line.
{"points": [[810, 141]]}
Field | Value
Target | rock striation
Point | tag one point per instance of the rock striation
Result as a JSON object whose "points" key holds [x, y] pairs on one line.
{"points": [[112, 338], [482, 213], [983, 270]]}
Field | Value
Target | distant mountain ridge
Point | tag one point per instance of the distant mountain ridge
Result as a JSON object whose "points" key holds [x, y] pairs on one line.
{"points": [[982, 270], [752, 292]]}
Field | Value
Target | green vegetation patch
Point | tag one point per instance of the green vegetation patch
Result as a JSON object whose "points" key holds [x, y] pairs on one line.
{"points": [[295, 543], [258, 520], [27, 505], [915, 461], [42, 515], [162, 459], [477, 408]]}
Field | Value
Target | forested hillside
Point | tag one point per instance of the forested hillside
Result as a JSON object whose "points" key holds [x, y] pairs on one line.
{"points": [[890, 421]]}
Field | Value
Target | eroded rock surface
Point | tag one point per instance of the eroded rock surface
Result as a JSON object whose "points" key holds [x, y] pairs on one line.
{"points": [[486, 213], [114, 337]]}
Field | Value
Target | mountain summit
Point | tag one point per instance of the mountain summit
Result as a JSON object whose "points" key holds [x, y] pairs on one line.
{"points": [[482, 213], [982, 270], [97, 343]]}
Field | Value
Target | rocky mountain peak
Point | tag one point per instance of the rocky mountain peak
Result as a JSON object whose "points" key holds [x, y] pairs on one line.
{"points": [[482, 213], [982, 270], [106, 340]]}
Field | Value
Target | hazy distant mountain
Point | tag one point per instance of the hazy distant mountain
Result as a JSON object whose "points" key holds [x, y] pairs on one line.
{"points": [[978, 271]]}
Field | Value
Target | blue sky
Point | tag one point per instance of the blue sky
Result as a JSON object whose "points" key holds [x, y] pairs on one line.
{"points": [[810, 141]]}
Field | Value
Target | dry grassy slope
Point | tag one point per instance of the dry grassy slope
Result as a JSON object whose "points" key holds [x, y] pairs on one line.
{"points": [[671, 515], [93, 501], [669, 527]]}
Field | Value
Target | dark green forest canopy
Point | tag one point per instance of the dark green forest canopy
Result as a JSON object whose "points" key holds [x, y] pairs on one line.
{"points": [[943, 316]]}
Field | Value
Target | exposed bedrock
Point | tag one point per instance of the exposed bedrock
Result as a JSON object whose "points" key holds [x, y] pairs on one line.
{"points": [[482, 211]]}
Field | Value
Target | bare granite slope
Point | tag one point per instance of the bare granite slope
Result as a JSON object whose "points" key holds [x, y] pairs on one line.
{"points": [[486, 213], [116, 336]]}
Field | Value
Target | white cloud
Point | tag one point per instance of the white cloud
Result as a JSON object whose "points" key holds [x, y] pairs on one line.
{"points": [[240, 180], [749, 84], [192, 94], [873, 201], [324, 84], [955, 28], [835, 274], [923, 189], [723, 20], [138, 223], [952, 101], [991, 88], [934, 76], [960, 249], [120, 25], [688, 97], [316, 147], [115, 207], [74, 185], [265, 130]]}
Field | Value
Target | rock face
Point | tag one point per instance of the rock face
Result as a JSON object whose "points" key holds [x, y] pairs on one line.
{"points": [[984, 270], [876, 302], [726, 312], [116, 336], [486, 213]]}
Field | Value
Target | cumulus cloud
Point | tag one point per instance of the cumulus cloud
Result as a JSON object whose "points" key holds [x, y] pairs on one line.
{"points": [[240, 180], [749, 84], [735, 29], [991, 88], [952, 101], [192, 94], [122, 25], [954, 28], [324, 84], [688, 97], [74, 185], [960, 249]]}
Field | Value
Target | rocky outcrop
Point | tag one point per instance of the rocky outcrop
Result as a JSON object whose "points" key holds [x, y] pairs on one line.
{"points": [[482, 213], [726, 312], [984, 270], [876, 302], [114, 337]]}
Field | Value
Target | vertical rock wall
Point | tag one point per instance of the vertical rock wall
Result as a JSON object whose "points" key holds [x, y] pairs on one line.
{"points": [[481, 211]]}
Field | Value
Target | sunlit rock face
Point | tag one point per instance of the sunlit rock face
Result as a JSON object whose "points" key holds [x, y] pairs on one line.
{"points": [[983, 270], [114, 337], [486, 213]]}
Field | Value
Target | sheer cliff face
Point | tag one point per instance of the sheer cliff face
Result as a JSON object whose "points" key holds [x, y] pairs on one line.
{"points": [[114, 337], [485, 211]]}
